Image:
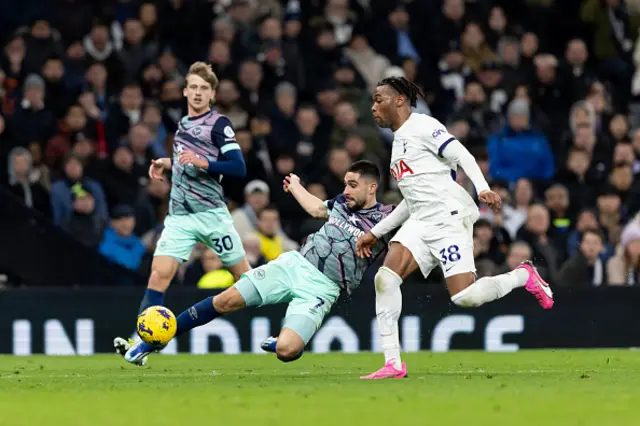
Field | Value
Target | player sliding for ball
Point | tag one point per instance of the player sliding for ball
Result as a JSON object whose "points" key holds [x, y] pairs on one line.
{"points": [[310, 280], [437, 217], [204, 149]]}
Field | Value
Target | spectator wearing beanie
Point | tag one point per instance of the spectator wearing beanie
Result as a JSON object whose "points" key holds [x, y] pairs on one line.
{"points": [[518, 150]]}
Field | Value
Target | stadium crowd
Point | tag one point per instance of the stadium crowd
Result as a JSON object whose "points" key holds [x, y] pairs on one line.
{"points": [[544, 93]]}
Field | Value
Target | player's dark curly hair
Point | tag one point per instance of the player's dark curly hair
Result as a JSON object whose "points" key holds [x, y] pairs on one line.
{"points": [[404, 87]]}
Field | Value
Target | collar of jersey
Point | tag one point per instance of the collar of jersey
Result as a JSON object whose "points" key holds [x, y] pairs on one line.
{"points": [[199, 116]]}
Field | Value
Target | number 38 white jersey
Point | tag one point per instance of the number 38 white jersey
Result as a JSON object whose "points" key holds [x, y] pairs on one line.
{"points": [[425, 178]]}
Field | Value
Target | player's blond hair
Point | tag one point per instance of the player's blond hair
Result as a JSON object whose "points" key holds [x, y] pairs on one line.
{"points": [[203, 71]]}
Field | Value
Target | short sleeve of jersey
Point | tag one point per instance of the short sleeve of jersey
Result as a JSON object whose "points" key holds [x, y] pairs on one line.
{"points": [[223, 135], [330, 203], [436, 136]]}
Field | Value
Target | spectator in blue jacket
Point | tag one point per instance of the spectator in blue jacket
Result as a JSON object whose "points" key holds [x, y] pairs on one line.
{"points": [[78, 203], [73, 186], [518, 151], [119, 244]]}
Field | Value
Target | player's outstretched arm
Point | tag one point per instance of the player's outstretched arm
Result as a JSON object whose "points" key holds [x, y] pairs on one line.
{"points": [[457, 153], [310, 203], [399, 215]]}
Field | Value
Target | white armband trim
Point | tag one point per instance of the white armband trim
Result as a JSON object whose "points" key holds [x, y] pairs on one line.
{"points": [[229, 147]]}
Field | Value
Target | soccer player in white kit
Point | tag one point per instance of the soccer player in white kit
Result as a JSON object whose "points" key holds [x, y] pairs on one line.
{"points": [[437, 217]]}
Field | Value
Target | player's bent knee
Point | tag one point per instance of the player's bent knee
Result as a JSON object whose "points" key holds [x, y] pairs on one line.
{"points": [[386, 280], [287, 351], [468, 298]]}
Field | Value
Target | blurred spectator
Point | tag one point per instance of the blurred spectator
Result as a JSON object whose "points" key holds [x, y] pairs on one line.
{"points": [[557, 201], [245, 218], [519, 251], [516, 141], [74, 128], [207, 272], [395, 38], [523, 198], [586, 268], [96, 83], [493, 241], [587, 220], [475, 47], [624, 267], [272, 243], [135, 51], [368, 63], [40, 171], [100, 49], [227, 97], [152, 118], [282, 116], [32, 121], [124, 114], [140, 143], [346, 122], [121, 185], [339, 162], [547, 254], [610, 215], [78, 203], [476, 112], [615, 29], [578, 180], [57, 97], [41, 43], [252, 94], [220, 59], [251, 244], [23, 181], [119, 244]]}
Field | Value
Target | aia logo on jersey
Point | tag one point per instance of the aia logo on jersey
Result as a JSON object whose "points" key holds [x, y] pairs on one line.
{"points": [[400, 169], [438, 133]]}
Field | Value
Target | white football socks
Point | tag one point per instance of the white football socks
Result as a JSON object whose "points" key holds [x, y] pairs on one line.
{"points": [[388, 309], [488, 289]]}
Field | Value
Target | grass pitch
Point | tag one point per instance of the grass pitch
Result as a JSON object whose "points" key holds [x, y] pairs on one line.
{"points": [[457, 388]]}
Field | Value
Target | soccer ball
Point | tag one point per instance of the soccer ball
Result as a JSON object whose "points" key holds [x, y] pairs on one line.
{"points": [[157, 325]]}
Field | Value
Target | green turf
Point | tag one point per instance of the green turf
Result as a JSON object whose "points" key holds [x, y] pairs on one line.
{"points": [[457, 388]]}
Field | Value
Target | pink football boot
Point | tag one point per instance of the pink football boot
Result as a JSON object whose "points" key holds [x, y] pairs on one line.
{"points": [[388, 372], [537, 286]]}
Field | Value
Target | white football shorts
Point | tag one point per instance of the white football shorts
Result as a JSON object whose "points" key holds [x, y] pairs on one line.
{"points": [[448, 245]]}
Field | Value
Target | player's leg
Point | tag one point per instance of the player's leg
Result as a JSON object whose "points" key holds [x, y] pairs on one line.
{"points": [[216, 231], [398, 265], [458, 266], [163, 269], [407, 253], [313, 295], [468, 293], [242, 294], [174, 246]]}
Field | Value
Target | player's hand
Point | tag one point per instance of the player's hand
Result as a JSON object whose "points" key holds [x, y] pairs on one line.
{"points": [[364, 244], [491, 199], [290, 181], [188, 157], [156, 169]]}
